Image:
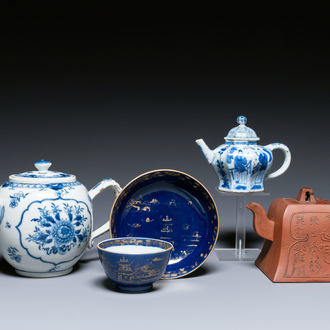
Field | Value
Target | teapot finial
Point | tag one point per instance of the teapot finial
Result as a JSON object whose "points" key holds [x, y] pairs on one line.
{"points": [[242, 132], [42, 165], [241, 120]]}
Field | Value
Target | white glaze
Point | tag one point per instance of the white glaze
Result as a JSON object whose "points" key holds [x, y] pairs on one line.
{"points": [[134, 249], [46, 220]]}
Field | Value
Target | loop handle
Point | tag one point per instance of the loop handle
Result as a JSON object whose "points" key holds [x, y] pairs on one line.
{"points": [[287, 159], [104, 184]]}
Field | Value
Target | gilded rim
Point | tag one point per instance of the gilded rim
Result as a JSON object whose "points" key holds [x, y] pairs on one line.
{"points": [[136, 239]]}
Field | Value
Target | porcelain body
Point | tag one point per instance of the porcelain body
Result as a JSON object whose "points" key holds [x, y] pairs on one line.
{"points": [[46, 221], [240, 164], [135, 263], [172, 206]]}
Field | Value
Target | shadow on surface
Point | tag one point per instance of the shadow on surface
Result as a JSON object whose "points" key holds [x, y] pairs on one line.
{"points": [[227, 239], [105, 283], [5, 268]]}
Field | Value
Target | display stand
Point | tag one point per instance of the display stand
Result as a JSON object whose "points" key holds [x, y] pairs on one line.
{"points": [[240, 252]]}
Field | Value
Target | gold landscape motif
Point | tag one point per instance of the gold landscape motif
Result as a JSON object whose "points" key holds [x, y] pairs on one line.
{"points": [[144, 273]]}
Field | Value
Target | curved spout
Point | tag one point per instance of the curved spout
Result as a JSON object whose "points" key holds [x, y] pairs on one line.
{"points": [[261, 223], [208, 153]]}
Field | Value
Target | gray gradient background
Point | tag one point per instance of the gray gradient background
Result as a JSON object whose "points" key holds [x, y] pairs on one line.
{"points": [[119, 92]]}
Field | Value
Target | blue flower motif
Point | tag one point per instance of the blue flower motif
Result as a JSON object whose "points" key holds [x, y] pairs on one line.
{"points": [[59, 228], [16, 198], [63, 233], [12, 252], [13, 203]]}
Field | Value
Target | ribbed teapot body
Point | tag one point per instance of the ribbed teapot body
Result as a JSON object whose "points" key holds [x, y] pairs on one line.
{"points": [[242, 167]]}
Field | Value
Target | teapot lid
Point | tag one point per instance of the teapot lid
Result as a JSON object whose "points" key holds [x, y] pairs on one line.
{"points": [[42, 175], [242, 132]]}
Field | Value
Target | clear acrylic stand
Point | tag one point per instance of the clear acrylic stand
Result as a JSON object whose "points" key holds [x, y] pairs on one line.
{"points": [[240, 252]]}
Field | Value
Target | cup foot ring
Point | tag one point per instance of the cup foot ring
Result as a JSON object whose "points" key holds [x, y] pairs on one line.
{"points": [[134, 289]]}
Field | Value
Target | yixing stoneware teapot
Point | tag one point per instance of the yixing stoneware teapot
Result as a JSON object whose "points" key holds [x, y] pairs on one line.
{"points": [[46, 220], [297, 238], [240, 164]]}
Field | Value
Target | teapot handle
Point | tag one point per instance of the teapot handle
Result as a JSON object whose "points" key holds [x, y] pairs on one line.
{"points": [[105, 183], [287, 159]]}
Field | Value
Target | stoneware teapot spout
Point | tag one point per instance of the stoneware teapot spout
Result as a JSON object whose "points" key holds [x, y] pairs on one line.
{"points": [[46, 220], [261, 223], [241, 164]]}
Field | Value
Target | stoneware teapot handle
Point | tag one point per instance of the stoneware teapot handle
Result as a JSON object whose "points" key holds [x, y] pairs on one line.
{"points": [[287, 159], [104, 184]]}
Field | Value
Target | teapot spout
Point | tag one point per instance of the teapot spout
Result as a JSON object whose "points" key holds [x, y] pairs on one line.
{"points": [[208, 153], [261, 223]]}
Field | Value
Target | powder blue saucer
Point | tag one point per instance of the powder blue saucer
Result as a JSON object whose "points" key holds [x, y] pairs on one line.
{"points": [[171, 206]]}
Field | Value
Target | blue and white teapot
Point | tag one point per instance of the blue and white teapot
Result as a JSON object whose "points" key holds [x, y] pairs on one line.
{"points": [[240, 164], [46, 220]]}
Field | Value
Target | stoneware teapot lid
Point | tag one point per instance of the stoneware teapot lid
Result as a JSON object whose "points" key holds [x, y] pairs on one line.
{"points": [[242, 132], [42, 175]]}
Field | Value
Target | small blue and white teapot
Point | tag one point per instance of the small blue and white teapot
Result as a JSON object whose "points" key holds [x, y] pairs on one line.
{"points": [[46, 220], [240, 164]]}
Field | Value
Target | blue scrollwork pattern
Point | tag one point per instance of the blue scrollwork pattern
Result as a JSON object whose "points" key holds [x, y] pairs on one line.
{"points": [[55, 186]]}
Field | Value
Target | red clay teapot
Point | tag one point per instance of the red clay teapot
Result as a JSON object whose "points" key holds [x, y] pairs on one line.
{"points": [[297, 238]]}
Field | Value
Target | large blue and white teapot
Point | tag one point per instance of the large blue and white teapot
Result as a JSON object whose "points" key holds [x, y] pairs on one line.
{"points": [[241, 164], [46, 220]]}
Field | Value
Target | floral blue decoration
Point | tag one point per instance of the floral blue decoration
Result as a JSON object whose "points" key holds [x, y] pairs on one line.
{"points": [[61, 226], [38, 175], [2, 213], [62, 233], [16, 198], [12, 252]]}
